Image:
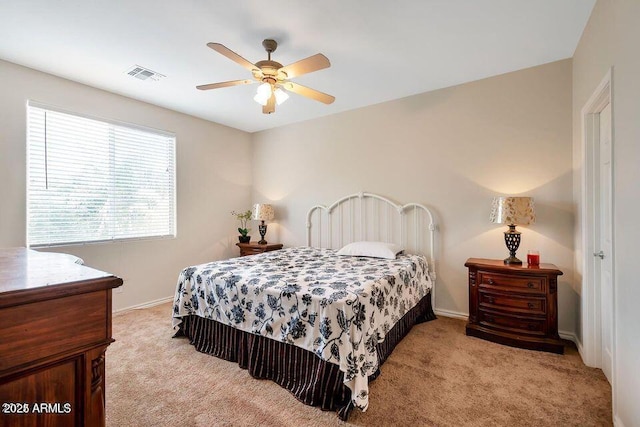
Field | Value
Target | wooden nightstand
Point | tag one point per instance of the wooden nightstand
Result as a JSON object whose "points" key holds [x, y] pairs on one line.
{"points": [[257, 248], [515, 305]]}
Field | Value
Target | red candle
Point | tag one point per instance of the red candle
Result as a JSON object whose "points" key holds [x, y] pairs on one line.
{"points": [[533, 258]]}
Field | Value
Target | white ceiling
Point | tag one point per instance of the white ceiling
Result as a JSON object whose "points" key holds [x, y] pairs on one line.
{"points": [[379, 50]]}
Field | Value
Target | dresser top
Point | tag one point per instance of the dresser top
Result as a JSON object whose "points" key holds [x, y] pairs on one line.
{"points": [[499, 265], [24, 271]]}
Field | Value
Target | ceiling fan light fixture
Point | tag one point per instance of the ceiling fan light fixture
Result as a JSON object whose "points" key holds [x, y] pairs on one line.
{"points": [[262, 100], [264, 89], [281, 96], [263, 93]]}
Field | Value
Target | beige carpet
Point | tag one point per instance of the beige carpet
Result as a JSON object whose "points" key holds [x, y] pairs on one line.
{"points": [[436, 376]]}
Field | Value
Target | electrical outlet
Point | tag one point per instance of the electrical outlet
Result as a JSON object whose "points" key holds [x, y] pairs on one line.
{"points": [[119, 289]]}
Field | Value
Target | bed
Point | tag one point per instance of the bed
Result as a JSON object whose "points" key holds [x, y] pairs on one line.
{"points": [[314, 320]]}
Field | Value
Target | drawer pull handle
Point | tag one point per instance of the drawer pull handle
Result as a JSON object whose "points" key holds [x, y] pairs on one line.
{"points": [[491, 282], [530, 304], [530, 285], [490, 300], [491, 319], [531, 327]]}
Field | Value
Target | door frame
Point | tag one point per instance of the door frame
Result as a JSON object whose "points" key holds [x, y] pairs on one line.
{"points": [[590, 301]]}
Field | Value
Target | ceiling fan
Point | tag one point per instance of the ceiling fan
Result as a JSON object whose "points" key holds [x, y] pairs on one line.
{"points": [[274, 76]]}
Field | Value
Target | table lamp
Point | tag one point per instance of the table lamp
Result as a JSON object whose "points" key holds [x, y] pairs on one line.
{"points": [[512, 211], [262, 212]]}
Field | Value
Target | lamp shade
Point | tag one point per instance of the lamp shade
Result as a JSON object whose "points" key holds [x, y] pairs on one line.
{"points": [[263, 94], [512, 210], [281, 96], [263, 212]]}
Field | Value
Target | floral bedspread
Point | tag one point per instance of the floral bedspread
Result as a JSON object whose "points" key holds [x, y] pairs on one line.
{"points": [[338, 307]]}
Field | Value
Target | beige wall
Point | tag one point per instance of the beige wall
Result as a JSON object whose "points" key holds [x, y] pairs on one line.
{"points": [[213, 177], [611, 40], [592, 60], [452, 149]]}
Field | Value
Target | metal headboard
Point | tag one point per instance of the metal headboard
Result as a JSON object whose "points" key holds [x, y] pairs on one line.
{"points": [[368, 216]]}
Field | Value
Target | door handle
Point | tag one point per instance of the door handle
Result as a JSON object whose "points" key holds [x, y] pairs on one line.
{"points": [[599, 254]]}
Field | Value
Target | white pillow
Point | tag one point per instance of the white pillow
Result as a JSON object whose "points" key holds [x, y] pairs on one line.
{"points": [[371, 249]]}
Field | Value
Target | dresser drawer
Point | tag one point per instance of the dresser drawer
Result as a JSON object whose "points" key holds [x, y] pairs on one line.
{"points": [[31, 332], [513, 304], [509, 323], [524, 284]]}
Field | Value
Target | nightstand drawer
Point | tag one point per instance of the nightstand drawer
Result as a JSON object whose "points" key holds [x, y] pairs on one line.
{"points": [[511, 282], [515, 324], [257, 248], [513, 304]]}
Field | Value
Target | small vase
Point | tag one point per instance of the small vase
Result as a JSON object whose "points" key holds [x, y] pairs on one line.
{"points": [[244, 239]]}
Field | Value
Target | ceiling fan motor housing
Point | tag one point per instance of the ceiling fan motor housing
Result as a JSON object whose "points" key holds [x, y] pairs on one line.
{"points": [[268, 68]]}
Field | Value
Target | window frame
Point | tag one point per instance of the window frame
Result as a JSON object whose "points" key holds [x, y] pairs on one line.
{"points": [[173, 214]]}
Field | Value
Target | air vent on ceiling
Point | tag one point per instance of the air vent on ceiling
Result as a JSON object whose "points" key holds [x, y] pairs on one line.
{"points": [[144, 73]]}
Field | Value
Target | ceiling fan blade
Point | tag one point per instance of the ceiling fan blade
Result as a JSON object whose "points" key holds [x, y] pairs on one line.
{"points": [[270, 106], [307, 65], [225, 84], [308, 92], [232, 56]]}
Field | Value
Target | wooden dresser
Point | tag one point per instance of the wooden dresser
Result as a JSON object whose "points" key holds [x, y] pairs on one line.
{"points": [[257, 248], [514, 304], [55, 326]]}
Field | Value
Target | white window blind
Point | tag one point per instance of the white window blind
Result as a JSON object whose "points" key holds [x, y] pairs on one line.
{"points": [[90, 180]]}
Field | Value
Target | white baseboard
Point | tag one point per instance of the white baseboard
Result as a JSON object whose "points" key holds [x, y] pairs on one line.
{"points": [[571, 336], [453, 314], [148, 304], [617, 422], [464, 316], [566, 335]]}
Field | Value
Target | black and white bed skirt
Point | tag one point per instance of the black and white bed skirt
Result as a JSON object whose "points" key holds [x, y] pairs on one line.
{"points": [[310, 379]]}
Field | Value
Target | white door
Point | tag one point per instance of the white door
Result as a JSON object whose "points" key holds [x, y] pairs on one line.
{"points": [[605, 249]]}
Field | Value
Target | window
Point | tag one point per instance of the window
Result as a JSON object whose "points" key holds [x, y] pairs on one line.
{"points": [[91, 180]]}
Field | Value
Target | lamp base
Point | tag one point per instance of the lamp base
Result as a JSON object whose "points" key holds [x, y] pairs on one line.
{"points": [[512, 240], [512, 260], [262, 228]]}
